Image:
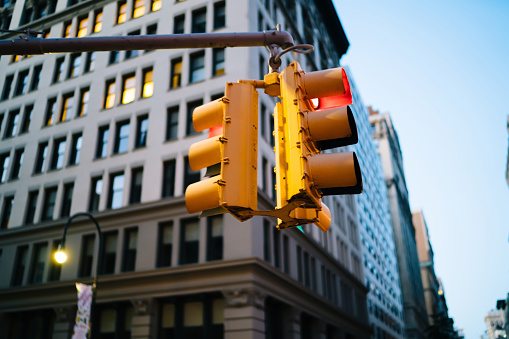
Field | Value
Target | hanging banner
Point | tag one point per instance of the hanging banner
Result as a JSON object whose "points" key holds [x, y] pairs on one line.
{"points": [[82, 324]]}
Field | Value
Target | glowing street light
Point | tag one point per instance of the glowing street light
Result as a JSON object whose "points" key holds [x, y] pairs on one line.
{"points": [[60, 256]]}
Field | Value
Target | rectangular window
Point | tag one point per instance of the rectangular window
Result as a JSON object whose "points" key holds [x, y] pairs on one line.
{"points": [[59, 70], [179, 24], [218, 63], [266, 240], [87, 255], [138, 8], [98, 21], [102, 142], [7, 86], [148, 83], [57, 157], [133, 53], [66, 33], [74, 66], [48, 203], [109, 252], [36, 77], [96, 187], [129, 251], [19, 265], [128, 88], [286, 255], [215, 238], [136, 185], [39, 253], [116, 190], [66, 108], [27, 117], [84, 99], [313, 274], [176, 73], [31, 206], [82, 27], [197, 67], [121, 12], [6, 212], [16, 165], [141, 131], [190, 108], [65, 211], [76, 143], [5, 160], [219, 15], [22, 83], [168, 178], [189, 241], [90, 61], [152, 29], [54, 267], [172, 121], [109, 94], [121, 137], [190, 176], [114, 57], [165, 244], [199, 21], [50, 111], [12, 124], [276, 237], [299, 263], [40, 161]]}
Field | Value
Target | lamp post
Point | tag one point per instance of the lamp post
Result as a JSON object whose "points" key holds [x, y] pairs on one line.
{"points": [[61, 257]]}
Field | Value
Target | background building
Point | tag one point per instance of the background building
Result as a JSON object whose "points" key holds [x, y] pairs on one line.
{"points": [[109, 133], [495, 322], [387, 143]]}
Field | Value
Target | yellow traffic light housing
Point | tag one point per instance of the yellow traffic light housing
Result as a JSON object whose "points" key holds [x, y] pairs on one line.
{"points": [[313, 116], [230, 156]]}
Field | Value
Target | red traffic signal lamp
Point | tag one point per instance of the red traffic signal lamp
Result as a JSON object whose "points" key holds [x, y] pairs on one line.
{"points": [[230, 154], [314, 116]]}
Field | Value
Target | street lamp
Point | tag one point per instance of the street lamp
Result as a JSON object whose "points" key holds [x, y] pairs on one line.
{"points": [[61, 257]]}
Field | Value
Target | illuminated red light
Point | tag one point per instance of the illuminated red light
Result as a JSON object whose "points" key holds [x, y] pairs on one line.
{"points": [[335, 101]]}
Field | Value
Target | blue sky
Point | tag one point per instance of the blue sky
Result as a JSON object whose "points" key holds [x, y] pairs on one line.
{"points": [[441, 69]]}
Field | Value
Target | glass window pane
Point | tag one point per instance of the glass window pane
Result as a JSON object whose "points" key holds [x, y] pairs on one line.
{"points": [[193, 314], [168, 316]]}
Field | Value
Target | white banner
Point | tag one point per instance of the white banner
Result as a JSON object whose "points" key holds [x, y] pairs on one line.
{"points": [[82, 324]]}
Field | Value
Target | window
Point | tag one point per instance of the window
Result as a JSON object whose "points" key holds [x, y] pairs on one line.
{"points": [[178, 24], [215, 238], [84, 99], [50, 111], [11, 126], [48, 203], [98, 21], [16, 165], [37, 264], [96, 187], [54, 267], [156, 5], [7, 86], [109, 253], [197, 67], [66, 33], [57, 157], [128, 88], [165, 244], [190, 176], [219, 15], [218, 63], [15, 58], [276, 237], [116, 190], [136, 185], [115, 320], [264, 173], [121, 137], [22, 83], [190, 108], [4, 166], [27, 117], [40, 161], [76, 143], [74, 65], [31, 206], [148, 83], [90, 62], [87, 256], [19, 265], [199, 21], [121, 12], [141, 131], [189, 241], [82, 27], [36, 77], [129, 251], [6, 212], [66, 108], [65, 211], [266, 240], [102, 142], [114, 57], [286, 255], [172, 123], [109, 95], [133, 53], [299, 263], [59, 70], [138, 8], [176, 73], [168, 178]]}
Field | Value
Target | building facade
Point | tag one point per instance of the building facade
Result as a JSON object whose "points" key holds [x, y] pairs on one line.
{"points": [[387, 143], [385, 305], [109, 133]]}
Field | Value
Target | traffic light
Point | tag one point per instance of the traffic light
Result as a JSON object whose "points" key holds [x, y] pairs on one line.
{"points": [[314, 116], [229, 154]]}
